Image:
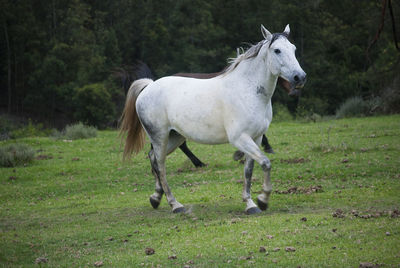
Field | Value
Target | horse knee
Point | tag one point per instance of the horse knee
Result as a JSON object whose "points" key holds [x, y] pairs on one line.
{"points": [[266, 165]]}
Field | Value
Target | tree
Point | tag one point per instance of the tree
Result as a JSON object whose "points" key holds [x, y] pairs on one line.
{"points": [[50, 49]]}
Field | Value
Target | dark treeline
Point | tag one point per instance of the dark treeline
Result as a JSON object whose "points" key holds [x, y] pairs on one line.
{"points": [[60, 58]]}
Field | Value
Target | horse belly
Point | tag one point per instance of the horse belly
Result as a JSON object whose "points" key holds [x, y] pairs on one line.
{"points": [[203, 133], [199, 119]]}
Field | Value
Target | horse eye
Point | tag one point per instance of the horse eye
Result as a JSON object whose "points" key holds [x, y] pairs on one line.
{"points": [[277, 51]]}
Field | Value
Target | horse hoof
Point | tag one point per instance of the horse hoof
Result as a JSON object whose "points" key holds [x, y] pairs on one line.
{"points": [[238, 155], [154, 202], [199, 164], [262, 205], [269, 151], [253, 210], [179, 210]]}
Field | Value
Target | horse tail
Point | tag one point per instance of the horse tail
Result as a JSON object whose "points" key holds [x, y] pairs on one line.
{"points": [[130, 123]]}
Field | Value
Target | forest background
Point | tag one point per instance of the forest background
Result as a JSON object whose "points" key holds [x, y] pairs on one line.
{"points": [[66, 60]]}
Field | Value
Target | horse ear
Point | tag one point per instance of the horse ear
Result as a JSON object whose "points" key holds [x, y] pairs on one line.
{"points": [[287, 30], [267, 35]]}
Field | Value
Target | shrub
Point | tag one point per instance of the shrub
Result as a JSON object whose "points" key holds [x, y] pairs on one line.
{"points": [[12, 127], [353, 107], [30, 130], [281, 113], [6, 126], [312, 105], [79, 131], [15, 154], [391, 98], [93, 105], [375, 105]]}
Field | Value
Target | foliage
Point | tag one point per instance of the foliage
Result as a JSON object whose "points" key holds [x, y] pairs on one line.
{"points": [[30, 130], [81, 205], [388, 102], [12, 127], [281, 113], [15, 154], [7, 124], [390, 98], [80, 131], [75, 131], [353, 107], [93, 105], [51, 50]]}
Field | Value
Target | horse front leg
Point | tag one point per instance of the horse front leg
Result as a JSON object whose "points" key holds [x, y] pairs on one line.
{"points": [[251, 208], [263, 198], [247, 145]]}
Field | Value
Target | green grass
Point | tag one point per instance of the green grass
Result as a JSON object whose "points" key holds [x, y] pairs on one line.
{"points": [[78, 203]]}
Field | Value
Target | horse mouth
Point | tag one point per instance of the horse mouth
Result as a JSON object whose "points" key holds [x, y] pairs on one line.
{"points": [[292, 90]]}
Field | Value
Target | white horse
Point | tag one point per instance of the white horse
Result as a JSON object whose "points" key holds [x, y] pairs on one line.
{"points": [[234, 107]]}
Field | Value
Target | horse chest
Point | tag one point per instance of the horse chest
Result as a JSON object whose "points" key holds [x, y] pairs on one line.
{"points": [[250, 115]]}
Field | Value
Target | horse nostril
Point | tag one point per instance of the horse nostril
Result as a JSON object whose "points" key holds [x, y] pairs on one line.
{"points": [[296, 78]]}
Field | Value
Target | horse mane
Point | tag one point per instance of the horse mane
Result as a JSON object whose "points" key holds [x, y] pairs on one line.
{"points": [[250, 53]]}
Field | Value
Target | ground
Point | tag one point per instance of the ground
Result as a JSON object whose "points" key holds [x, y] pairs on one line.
{"points": [[336, 203]]}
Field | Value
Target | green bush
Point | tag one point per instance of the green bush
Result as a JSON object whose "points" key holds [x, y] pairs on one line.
{"points": [[12, 127], [30, 130], [15, 154], [281, 113], [93, 105], [7, 124], [313, 105], [353, 107], [391, 98], [78, 131]]}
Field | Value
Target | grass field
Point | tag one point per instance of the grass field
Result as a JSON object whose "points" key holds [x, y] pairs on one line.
{"points": [[336, 203]]}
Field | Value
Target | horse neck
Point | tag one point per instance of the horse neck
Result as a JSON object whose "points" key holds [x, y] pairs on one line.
{"points": [[256, 74]]}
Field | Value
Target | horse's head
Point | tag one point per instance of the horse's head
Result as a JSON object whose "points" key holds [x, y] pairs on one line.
{"points": [[282, 62]]}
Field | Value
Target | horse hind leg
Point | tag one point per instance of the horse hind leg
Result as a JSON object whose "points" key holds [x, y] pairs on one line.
{"points": [[158, 156], [196, 162], [265, 144], [155, 199]]}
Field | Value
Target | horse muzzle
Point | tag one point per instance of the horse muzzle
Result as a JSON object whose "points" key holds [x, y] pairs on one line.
{"points": [[298, 80], [292, 88]]}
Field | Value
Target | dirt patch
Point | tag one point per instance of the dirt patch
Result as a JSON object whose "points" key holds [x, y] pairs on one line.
{"points": [[302, 190], [339, 213], [368, 265], [290, 249], [294, 160], [44, 157], [98, 264], [149, 251], [395, 213], [40, 260]]}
